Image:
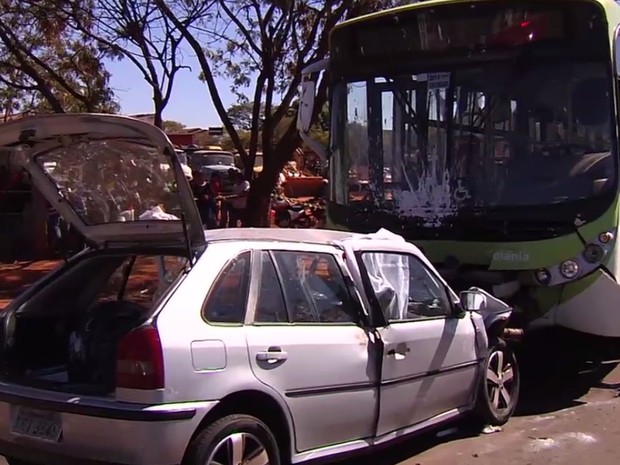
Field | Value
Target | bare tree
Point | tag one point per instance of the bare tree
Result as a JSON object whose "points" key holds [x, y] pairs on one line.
{"points": [[137, 31], [261, 46]]}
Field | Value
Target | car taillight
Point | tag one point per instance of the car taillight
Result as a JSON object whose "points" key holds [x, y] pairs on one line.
{"points": [[139, 360]]}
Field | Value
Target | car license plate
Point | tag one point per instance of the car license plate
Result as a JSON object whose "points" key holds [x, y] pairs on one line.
{"points": [[37, 424]]}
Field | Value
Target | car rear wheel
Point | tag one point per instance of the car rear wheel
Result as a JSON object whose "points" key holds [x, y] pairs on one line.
{"points": [[234, 440], [499, 386]]}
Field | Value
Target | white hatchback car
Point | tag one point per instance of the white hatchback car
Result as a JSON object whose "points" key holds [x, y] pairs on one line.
{"points": [[163, 345]]}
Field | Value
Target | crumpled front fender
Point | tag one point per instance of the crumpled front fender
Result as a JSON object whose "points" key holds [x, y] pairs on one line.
{"points": [[494, 312]]}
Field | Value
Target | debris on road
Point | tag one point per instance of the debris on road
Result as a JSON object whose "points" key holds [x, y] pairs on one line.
{"points": [[490, 429]]}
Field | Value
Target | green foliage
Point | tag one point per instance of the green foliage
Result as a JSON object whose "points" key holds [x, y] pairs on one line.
{"points": [[172, 126], [240, 115], [47, 66]]}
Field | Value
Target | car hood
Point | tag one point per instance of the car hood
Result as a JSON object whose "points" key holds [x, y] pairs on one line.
{"points": [[107, 179]]}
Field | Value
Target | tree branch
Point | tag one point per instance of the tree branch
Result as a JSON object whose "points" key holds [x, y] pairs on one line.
{"points": [[42, 87], [207, 75]]}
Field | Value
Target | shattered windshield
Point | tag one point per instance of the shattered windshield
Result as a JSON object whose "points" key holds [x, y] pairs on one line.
{"points": [[491, 135], [108, 181], [458, 110]]}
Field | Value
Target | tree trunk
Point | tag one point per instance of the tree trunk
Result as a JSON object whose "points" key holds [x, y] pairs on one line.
{"points": [[259, 197], [158, 106]]}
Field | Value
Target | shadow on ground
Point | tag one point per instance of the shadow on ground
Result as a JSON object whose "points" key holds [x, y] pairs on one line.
{"points": [[16, 277], [559, 367]]}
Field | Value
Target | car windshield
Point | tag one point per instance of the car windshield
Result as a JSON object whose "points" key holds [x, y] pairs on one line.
{"points": [[532, 127]]}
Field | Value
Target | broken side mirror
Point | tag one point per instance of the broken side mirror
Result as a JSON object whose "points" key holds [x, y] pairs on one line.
{"points": [[306, 104], [471, 300], [478, 300], [490, 308], [310, 76]]}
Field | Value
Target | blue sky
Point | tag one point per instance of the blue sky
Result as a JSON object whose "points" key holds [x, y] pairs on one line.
{"points": [[190, 103]]}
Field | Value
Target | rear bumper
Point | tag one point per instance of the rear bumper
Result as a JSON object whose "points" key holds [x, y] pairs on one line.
{"points": [[97, 431], [124, 411]]}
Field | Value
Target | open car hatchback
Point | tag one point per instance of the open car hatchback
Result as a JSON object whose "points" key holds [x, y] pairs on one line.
{"points": [[105, 175]]}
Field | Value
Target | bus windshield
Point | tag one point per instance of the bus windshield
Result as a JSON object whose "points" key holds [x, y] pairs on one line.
{"points": [[526, 130]]}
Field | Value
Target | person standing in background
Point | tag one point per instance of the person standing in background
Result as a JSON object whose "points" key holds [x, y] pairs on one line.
{"points": [[205, 200], [216, 187], [239, 199]]}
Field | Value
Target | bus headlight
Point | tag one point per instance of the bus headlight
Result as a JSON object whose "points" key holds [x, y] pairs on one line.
{"points": [[593, 253], [569, 269], [588, 261]]}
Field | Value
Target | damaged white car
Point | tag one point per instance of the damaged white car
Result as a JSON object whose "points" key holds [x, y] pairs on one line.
{"points": [[162, 345]]}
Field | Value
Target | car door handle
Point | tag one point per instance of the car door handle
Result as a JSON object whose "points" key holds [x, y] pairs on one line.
{"points": [[272, 355]]}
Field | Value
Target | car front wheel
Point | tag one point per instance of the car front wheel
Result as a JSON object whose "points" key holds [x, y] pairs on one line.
{"points": [[234, 440], [499, 386]]}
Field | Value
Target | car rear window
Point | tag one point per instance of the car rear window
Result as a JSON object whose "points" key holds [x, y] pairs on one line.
{"points": [[227, 299], [142, 279]]}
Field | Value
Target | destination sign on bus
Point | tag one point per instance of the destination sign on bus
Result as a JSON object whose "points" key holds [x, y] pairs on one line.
{"points": [[435, 31], [475, 27]]}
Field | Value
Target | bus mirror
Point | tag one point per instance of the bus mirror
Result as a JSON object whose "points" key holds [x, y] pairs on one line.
{"points": [[309, 77], [306, 105]]}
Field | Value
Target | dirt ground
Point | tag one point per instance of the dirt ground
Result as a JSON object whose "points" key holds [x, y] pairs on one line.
{"points": [[143, 280], [16, 277]]}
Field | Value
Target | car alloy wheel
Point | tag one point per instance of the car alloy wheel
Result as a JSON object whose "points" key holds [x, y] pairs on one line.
{"points": [[499, 385], [239, 449], [500, 377], [235, 439]]}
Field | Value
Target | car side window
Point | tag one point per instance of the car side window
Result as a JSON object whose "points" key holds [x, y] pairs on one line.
{"points": [[314, 288], [270, 305], [424, 296], [227, 300]]}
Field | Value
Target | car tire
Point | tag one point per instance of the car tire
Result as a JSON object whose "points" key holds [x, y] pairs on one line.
{"points": [[233, 434], [498, 389]]}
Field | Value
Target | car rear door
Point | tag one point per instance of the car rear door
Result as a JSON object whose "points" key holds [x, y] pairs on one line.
{"points": [[305, 341], [429, 363]]}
